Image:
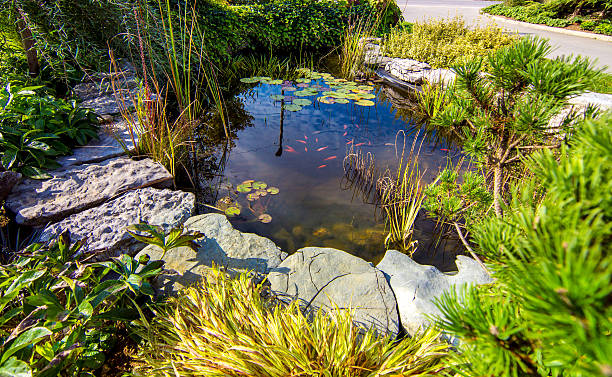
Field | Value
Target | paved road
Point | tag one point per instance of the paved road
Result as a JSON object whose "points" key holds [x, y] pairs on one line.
{"points": [[418, 10]]}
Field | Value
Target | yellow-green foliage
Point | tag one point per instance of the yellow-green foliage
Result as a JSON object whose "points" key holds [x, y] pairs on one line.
{"points": [[232, 327], [445, 43]]}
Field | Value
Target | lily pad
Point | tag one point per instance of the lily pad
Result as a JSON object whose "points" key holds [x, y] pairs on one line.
{"points": [[364, 102], [343, 91], [289, 88], [367, 96], [232, 211], [303, 80], [353, 96], [252, 196], [302, 102], [265, 218], [275, 82], [293, 107], [327, 100], [249, 80], [328, 93], [262, 192], [342, 100], [248, 182], [259, 185], [273, 190], [243, 188], [277, 97], [339, 95], [365, 87], [302, 85]]}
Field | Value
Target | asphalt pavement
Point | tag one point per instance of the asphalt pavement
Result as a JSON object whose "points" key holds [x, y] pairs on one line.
{"points": [[419, 10]]}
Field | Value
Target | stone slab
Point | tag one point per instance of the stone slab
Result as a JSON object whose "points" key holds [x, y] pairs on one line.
{"points": [[112, 104], [416, 286], [113, 140], [324, 277], [104, 226], [222, 245], [77, 188]]}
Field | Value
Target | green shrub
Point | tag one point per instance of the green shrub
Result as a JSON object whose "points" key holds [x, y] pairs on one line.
{"points": [[59, 315], [549, 313], [34, 128], [233, 327], [445, 43]]}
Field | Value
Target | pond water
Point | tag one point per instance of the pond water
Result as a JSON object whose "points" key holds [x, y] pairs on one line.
{"points": [[302, 154]]}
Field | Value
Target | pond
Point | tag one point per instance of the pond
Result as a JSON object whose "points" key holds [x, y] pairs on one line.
{"points": [[284, 174]]}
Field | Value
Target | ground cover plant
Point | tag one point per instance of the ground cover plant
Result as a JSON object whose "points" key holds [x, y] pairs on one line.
{"points": [[36, 127], [445, 43], [549, 312], [61, 315], [592, 15], [233, 327]]}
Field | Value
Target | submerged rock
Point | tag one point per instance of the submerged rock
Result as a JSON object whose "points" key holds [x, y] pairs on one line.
{"points": [[77, 188], [222, 246], [104, 226], [417, 286], [328, 278]]}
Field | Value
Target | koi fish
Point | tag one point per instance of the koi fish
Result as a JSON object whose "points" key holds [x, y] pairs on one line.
{"points": [[322, 166], [322, 148], [316, 139], [444, 149], [349, 142], [391, 144], [344, 134], [301, 141], [329, 158], [289, 149], [345, 126], [356, 125], [360, 144], [369, 142], [305, 137], [305, 149], [316, 132]]}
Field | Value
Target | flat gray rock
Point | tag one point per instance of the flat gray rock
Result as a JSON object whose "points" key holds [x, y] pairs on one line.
{"points": [[324, 277], [409, 70], [77, 188], [601, 100], [222, 246], [104, 226], [112, 104], [113, 141], [417, 286]]}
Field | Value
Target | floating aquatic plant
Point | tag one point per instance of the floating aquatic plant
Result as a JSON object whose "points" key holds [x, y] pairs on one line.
{"points": [[302, 102]]}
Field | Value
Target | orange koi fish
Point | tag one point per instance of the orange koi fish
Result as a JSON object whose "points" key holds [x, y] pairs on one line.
{"points": [[289, 149], [322, 166], [329, 158], [322, 148], [301, 141]]}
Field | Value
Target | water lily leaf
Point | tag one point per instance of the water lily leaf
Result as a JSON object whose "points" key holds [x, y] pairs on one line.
{"points": [[265, 218], [249, 80], [305, 93], [368, 96], [252, 196], [339, 95], [259, 185], [342, 100], [243, 188], [303, 80], [273, 190], [343, 91], [289, 88], [224, 203], [262, 192], [328, 93], [302, 85], [263, 78], [232, 211], [302, 102], [293, 107], [248, 182], [277, 97], [354, 97], [326, 100], [275, 82], [364, 102], [365, 87]]}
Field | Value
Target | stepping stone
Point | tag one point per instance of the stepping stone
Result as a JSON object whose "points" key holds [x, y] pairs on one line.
{"points": [[113, 140], [112, 104], [104, 226], [222, 245], [77, 188], [327, 278]]}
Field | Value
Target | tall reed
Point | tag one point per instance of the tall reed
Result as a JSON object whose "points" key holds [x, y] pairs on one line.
{"points": [[402, 199], [431, 99]]}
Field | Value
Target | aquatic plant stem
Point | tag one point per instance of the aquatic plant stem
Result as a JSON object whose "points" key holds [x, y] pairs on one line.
{"points": [[469, 248]]}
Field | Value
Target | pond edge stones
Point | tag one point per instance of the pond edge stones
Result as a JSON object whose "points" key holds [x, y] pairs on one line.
{"points": [[417, 286], [222, 245], [328, 278]]}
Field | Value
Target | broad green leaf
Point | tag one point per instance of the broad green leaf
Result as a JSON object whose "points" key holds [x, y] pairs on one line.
{"points": [[27, 338], [15, 368]]}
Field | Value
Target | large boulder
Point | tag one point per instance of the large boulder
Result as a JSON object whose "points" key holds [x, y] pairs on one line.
{"points": [[79, 187], [408, 70], [329, 278], [417, 286], [222, 246], [104, 226]]}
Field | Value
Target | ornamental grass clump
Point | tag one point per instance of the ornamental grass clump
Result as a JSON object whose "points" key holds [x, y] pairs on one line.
{"points": [[445, 43], [233, 327]]}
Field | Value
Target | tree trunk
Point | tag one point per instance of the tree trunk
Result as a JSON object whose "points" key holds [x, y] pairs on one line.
{"points": [[497, 182], [27, 40]]}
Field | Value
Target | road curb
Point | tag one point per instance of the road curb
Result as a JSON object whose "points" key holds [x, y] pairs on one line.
{"points": [[601, 37]]}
